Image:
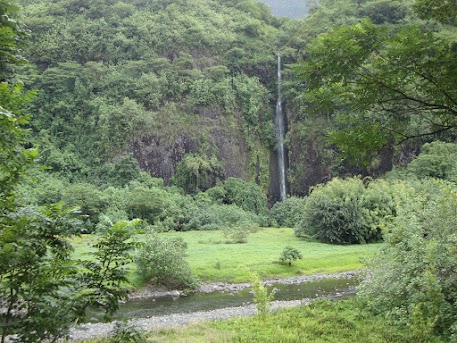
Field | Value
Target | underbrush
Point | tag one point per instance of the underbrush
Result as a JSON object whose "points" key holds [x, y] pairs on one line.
{"points": [[323, 321]]}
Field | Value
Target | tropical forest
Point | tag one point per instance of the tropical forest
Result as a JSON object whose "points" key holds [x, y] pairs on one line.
{"points": [[228, 171]]}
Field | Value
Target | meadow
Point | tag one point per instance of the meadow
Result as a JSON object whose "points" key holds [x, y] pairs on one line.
{"points": [[211, 259]]}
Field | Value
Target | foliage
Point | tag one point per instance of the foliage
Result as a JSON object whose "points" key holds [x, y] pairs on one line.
{"points": [[123, 332], [12, 35], [346, 211], [290, 254], [321, 321], [391, 82], [237, 234], [43, 289], [262, 298], [161, 261], [154, 81], [444, 11], [121, 172], [246, 195], [104, 277], [288, 213], [145, 203], [165, 208], [16, 153], [197, 173], [412, 281], [437, 160], [89, 201], [217, 217]]}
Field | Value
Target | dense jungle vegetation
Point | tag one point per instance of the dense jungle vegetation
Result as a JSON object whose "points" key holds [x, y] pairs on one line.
{"points": [[126, 118]]}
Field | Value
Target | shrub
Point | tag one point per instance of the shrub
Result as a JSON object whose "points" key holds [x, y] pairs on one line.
{"points": [[124, 332], [290, 254], [161, 261], [246, 195], [348, 211], [333, 214], [262, 298], [218, 217], [437, 159], [90, 201], [237, 234], [43, 290], [413, 280], [145, 203], [288, 213]]}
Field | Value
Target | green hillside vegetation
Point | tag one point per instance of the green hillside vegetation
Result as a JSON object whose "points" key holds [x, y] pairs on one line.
{"points": [[142, 131], [159, 81]]}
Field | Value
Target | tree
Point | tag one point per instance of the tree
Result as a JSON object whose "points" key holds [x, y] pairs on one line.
{"points": [[383, 86], [43, 290], [12, 32], [443, 10]]}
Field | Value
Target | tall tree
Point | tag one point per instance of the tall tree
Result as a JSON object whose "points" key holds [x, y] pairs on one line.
{"points": [[383, 85]]}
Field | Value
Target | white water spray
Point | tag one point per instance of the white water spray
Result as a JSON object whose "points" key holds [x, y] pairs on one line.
{"points": [[280, 128]]}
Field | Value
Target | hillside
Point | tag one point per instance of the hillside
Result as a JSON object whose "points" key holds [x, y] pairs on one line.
{"points": [[155, 82], [184, 87]]}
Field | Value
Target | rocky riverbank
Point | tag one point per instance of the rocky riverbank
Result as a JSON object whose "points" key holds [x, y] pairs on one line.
{"points": [[98, 330]]}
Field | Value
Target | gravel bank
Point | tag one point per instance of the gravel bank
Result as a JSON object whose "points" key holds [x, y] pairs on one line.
{"points": [[98, 330]]}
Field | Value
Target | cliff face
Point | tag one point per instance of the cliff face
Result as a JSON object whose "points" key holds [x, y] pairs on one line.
{"points": [[159, 151]]}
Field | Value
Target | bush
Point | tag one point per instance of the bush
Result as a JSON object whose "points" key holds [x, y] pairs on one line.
{"points": [[246, 195], [288, 213], [414, 280], [347, 211], [238, 234], [165, 208], [333, 214], [124, 332], [160, 261], [90, 201], [219, 217], [262, 298], [437, 159], [145, 203], [290, 254]]}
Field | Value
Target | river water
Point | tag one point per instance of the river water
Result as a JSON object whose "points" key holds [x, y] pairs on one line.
{"points": [[145, 308]]}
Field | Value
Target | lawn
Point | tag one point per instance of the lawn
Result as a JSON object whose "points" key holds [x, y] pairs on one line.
{"points": [[213, 260]]}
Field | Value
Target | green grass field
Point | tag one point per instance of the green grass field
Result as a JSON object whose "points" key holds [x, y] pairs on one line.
{"points": [[213, 260], [324, 321]]}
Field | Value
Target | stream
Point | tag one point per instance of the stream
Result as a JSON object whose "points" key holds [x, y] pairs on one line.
{"points": [[144, 308], [219, 302]]}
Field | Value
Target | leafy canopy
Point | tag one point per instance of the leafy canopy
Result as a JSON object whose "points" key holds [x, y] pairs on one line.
{"points": [[381, 84]]}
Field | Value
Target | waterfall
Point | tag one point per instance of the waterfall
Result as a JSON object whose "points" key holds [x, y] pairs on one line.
{"points": [[280, 128]]}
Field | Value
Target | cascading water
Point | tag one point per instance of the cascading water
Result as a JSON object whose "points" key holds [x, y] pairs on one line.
{"points": [[280, 128]]}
